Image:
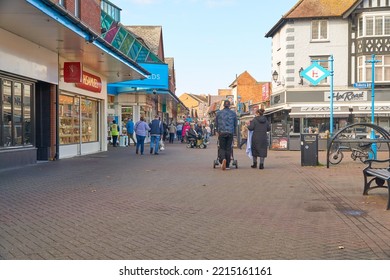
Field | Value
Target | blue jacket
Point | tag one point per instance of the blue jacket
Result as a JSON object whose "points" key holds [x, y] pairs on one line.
{"points": [[130, 127], [226, 121], [156, 127]]}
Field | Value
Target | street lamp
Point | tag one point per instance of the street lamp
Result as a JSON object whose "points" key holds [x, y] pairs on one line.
{"points": [[275, 76]]}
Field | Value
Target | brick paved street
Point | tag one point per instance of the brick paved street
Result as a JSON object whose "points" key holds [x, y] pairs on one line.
{"points": [[118, 205]]}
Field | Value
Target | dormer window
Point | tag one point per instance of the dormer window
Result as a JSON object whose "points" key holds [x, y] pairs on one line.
{"points": [[319, 30]]}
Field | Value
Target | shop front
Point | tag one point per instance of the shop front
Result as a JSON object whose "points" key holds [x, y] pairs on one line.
{"points": [[81, 116], [26, 101]]}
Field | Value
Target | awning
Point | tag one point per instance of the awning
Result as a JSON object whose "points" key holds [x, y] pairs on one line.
{"points": [[48, 25], [270, 111]]}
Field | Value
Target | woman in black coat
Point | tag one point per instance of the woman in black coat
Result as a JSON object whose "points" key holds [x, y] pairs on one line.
{"points": [[259, 144]]}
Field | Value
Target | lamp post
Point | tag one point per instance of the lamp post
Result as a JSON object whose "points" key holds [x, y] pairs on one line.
{"points": [[373, 61]]}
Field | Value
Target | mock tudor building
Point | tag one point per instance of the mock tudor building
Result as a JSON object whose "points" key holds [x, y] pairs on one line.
{"points": [[351, 32]]}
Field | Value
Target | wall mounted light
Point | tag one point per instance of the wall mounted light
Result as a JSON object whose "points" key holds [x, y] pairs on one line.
{"points": [[300, 76], [275, 76]]}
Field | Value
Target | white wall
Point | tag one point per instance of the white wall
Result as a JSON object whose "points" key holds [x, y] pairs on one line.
{"points": [[296, 48], [27, 59]]}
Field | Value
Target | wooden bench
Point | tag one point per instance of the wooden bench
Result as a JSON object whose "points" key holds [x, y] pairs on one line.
{"points": [[376, 177]]}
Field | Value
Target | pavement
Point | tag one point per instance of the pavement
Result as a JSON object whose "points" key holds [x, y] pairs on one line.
{"points": [[117, 205]]}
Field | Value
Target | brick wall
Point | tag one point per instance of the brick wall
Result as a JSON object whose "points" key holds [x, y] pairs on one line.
{"points": [[89, 12], [248, 88]]}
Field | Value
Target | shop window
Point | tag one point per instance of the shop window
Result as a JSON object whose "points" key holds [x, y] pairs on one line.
{"points": [[89, 120], [15, 124], [76, 124], [69, 117]]}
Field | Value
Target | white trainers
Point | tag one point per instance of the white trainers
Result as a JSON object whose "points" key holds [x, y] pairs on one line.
{"points": [[223, 165]]}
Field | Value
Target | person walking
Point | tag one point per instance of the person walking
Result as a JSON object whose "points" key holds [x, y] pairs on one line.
{"points": [[114, 128], [259, 144], [130, 131], [141, 128], [244, 134], [179, 129], [172, 132], [225, 125], [156, 132], [185, 128]]}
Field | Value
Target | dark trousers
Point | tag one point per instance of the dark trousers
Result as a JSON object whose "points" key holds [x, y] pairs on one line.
{"points": [[243, 141], [225, 141], [171, 137], [115, 140], [131, 136]]}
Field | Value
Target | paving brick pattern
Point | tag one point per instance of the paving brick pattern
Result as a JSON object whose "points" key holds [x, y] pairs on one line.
{"points": [[118, 205]]}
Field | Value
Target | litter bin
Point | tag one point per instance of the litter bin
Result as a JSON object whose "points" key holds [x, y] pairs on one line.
{"points": [[309, 149]]}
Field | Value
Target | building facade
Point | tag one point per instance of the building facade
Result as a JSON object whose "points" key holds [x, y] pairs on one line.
{"points": [[54, 71], [342, 34]]}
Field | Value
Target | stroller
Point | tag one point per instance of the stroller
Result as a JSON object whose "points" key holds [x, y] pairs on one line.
{"points": [[233, 162], [196, 141]]}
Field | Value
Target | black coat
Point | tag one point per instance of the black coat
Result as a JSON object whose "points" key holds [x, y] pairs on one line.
{"points": [[259, 125]]}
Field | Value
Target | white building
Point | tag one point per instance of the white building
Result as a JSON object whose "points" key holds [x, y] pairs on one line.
{"points": [[349, 31]]}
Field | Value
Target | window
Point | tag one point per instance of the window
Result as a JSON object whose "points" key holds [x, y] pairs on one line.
{"points": [[75, 124], [382, 69], [374, 25], [111, 10], [319, 30], [15, 122], [77, 12]]}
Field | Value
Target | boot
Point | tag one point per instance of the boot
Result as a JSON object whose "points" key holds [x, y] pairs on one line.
{"points": [[254, 165], [261, 166], [151, 150]]}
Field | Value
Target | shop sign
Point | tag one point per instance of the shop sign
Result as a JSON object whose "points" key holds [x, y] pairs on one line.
{"points": [[265, 92], [73, 72], [341, 96], [90, 82], [377, 108], [319, 109]]}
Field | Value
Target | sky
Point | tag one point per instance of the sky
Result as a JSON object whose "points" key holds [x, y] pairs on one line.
{"points": [[211, 41]]}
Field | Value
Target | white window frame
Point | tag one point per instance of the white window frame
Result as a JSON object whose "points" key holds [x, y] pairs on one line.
{"points": [[320, 24], [377, 24], [381, 68]]}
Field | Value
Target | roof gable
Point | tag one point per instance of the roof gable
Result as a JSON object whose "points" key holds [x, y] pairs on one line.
{"points": [[320, 8], [315, 9]]}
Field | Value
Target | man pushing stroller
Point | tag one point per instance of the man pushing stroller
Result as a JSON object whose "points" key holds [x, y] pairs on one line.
{"points": [[225, 126]]}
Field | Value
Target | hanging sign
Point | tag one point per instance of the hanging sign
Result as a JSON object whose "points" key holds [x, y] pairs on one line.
{"points": [[73, 72], [315, 73]]}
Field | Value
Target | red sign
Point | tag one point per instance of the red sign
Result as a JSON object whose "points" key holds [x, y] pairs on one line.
{"points": [[266, 92], [90, 82], [73, 72]]}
